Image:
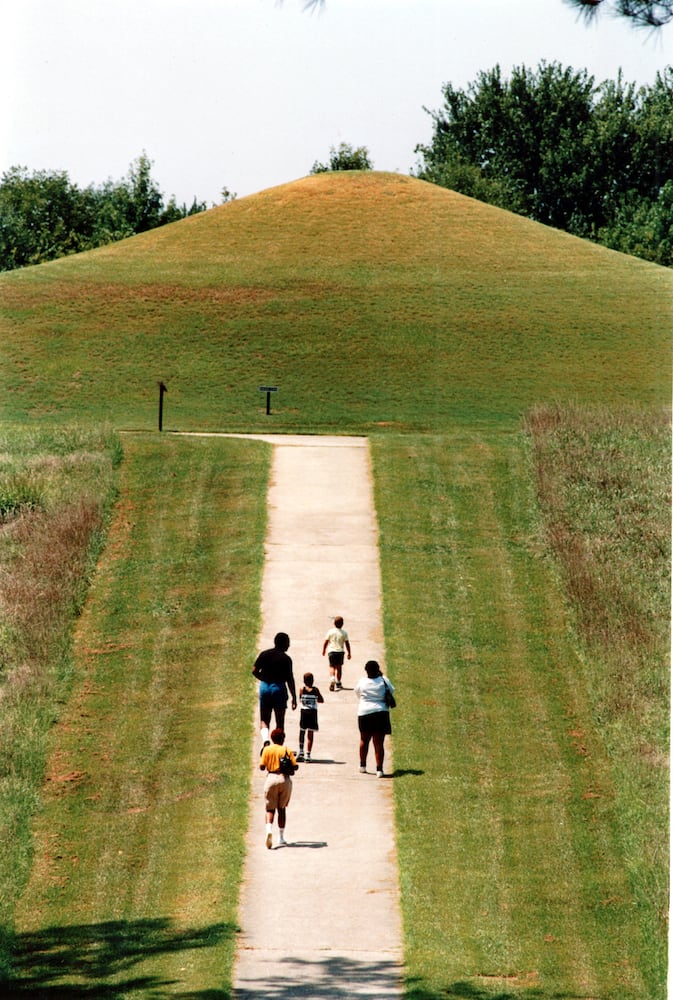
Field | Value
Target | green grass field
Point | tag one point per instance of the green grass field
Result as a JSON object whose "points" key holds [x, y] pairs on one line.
{"points": [[139, 842], [533, 860], [380, 305], [426, 308]]}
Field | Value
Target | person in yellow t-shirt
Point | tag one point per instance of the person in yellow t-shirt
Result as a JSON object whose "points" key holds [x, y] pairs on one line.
{"points": [[277, 787]]}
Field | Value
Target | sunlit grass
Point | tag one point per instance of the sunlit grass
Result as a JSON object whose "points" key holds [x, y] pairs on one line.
{"points": [[434, 309], [48, 550], [604, 485], [384, 306], [145, 807], [513, 830]]}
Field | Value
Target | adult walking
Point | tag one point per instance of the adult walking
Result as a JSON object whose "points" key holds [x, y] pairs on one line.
{"points": [[375, 699], [273, 670]]}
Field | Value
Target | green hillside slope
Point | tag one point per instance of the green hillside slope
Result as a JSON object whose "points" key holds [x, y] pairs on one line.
{"points": [[381, 305], [370, 299]]}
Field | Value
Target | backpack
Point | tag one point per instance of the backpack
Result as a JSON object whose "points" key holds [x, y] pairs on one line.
{"points": [[286, 766]]}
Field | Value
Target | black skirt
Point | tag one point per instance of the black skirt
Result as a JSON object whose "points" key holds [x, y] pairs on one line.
{"points": [[374, 722]]}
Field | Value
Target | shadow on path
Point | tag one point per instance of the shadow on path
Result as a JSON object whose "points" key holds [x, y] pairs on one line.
{"points": [[302, 843], [91, 961], [330, 978]]}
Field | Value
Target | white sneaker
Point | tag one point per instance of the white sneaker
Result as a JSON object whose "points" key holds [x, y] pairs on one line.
{"points": [[282, 841], [379, 774], [363, 769]]}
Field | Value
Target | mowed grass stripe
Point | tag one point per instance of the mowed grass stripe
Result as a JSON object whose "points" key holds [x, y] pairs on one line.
{"points": [[140, 843], [510, 870]]}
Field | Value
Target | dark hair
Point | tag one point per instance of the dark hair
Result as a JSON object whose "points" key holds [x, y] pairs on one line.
{"points": [[281, 641], [308, 678], [372, 668], [277, 736]]}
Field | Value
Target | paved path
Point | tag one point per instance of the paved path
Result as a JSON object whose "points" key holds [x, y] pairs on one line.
{"points": [[320, 918]]}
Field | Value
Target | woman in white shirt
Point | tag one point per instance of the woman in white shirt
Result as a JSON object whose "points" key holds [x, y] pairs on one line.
{"points": [[374, 693]]}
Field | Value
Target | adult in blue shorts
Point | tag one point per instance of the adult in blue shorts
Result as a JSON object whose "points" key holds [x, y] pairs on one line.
{"points": [[273, 670]]}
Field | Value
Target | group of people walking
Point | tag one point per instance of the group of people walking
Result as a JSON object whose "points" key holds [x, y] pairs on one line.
{"points": [[273, 670]]}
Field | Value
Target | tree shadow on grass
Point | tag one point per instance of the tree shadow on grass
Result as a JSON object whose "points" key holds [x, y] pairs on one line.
{"points": [[96, 961], [463, 990]]}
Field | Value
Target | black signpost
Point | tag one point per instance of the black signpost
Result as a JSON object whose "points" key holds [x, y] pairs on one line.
{"points": [[268, 389], [162, 390]]}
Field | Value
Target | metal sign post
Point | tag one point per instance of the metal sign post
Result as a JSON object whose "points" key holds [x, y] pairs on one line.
{"points": [[162, 390], [268, 389]]}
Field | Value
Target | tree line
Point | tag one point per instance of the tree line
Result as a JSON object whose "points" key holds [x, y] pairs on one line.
{"points": [[595, 160], [44, 215]]}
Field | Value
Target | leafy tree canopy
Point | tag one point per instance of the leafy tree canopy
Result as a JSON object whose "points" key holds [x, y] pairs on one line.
{"points": [[551, 144], [43, 215], [344, 157]]}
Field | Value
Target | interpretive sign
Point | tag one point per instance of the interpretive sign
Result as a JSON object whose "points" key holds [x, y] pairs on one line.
{"points": [[268, 389]]}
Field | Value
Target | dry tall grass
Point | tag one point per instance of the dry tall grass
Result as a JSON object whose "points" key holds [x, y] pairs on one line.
{"points": [[44, 583], [48, 550], [604, 486], [603, 479]]}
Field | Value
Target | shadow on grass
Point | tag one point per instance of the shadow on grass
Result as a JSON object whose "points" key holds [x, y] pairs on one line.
{"points": [[91, 961], [462, 990]]}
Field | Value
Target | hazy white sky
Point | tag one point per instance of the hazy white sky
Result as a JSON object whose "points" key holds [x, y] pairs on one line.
{"points": [[247, 94]]}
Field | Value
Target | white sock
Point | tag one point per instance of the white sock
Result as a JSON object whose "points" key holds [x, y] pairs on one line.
{"points": [[269, 827], [264, 732], [281, 836]]}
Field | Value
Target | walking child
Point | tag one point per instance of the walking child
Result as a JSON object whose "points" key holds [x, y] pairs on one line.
{"points": [[335, 644], [309, 699]]}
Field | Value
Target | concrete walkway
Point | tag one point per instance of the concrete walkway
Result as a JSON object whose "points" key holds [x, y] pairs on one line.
{"points": [[320, 918]]}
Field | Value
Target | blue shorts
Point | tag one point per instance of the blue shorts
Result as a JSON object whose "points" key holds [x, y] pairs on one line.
{"points": [[271, 698]]}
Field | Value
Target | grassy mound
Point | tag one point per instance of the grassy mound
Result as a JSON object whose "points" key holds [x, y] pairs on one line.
{"points": [[370, 299], [383, 305]]}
